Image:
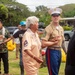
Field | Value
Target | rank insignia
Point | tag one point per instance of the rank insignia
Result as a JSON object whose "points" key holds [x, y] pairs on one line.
{"points": [[25, 43]]}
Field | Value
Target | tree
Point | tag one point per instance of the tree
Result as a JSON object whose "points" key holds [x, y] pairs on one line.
{"points": [[42, 13], [68, 10], [3, 12]]}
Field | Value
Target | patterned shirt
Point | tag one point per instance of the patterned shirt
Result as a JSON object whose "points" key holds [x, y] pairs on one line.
{"points": [[3, 47]]}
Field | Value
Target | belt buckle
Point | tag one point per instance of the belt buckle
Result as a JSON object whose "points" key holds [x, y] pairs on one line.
{"points": [[56, 48]]}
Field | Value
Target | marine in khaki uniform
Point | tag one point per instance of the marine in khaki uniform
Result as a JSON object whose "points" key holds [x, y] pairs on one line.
{"points": [[54, 32], [31, 47]]}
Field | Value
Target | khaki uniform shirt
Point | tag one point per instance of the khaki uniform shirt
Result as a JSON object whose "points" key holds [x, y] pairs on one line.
{"points": [[52, 31], [31, 42]]}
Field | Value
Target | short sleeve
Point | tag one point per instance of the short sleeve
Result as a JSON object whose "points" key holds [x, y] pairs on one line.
{"points": [[16, 34], [46, 34], [26, 42], [7, 34]]}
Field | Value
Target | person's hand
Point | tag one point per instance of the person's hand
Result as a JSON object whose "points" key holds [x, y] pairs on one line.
{"points": [[55, 42], [1, 43], [54, 39], [39, 60], [13, 42], [57, 38]]}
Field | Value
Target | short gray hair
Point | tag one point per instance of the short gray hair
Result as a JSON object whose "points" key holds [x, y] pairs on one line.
{"points": [[31, 20]]}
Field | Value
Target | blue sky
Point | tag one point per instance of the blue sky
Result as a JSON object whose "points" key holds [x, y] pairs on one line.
{"points": [[31, 4]]}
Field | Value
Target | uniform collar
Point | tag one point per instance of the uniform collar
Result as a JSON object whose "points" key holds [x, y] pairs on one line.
{"points": [[55, 27], [31, 32]]}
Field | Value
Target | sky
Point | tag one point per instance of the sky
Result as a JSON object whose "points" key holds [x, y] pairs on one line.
{"points": [[32, 4]]}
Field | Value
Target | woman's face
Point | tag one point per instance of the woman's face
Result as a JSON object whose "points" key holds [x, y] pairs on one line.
{"points": [[35, 26]]}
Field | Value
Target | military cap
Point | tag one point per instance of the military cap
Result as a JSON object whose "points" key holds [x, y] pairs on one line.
{"points": [[55, 11]]}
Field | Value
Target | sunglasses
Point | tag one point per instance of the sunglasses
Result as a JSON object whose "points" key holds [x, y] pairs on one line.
{"points": [[55, 15], [23, 25]]}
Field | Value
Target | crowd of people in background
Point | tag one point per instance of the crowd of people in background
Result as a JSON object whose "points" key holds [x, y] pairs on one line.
{"points": [[29, 46]]}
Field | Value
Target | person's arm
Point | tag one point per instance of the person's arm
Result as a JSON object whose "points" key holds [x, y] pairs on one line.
{"points": [[48, 43], [5, 41], [39, 60], [12, 40], [7, 37], [53, 41]]}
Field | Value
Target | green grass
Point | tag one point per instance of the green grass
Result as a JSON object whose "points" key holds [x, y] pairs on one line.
{"points": [[15, 70]]}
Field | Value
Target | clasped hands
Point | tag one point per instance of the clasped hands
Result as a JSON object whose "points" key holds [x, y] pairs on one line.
{"points": [[56, 39]]}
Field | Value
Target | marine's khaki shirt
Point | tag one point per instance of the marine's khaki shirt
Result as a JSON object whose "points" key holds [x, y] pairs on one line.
{"points": [[52, 31]]}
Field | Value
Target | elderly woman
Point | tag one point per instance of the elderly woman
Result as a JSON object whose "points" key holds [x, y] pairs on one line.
{"points": [[31, 47]]}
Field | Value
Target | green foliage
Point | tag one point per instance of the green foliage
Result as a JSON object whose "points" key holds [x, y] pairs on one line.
{"points": [[70, 13], [67, 27], [42, 14], [68, 10], [3, 12], [16, 12]]}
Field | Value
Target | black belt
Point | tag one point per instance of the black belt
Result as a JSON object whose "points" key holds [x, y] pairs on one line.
{"points": [[56, 48]]}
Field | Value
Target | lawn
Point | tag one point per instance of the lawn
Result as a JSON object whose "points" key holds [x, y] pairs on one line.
{"points": [[14, 66]]}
